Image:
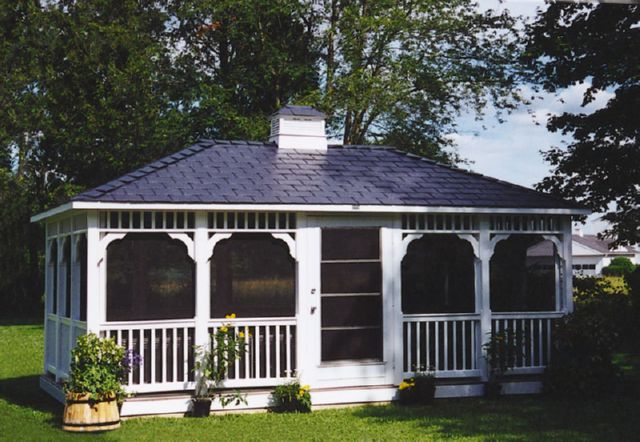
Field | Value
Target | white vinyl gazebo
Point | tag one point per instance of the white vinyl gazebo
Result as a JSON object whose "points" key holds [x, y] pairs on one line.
{"points": [[349, 267]]}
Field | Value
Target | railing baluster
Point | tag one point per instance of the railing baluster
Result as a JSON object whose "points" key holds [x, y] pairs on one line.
{"points": [[247, 355], [257, 360], [163, 355], [548, 341], [185, 357], [288, 350], [437, 324], [454, 324], [445, 332], [174, 355], [418, 368], [142, 353], [409, 349], [464, 345], [130, 347], [267, 347], [277, 336], [428, 345], [532, 361], [152, 343]]}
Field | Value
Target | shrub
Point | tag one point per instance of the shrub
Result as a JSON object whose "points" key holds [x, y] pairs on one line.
{"points": [[292, 398], [418, 390], [581, 360], [99, 367], [619, 266]]}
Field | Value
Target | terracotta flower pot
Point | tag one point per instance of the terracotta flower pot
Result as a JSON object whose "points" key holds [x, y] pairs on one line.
{"points": [[84, 415]]}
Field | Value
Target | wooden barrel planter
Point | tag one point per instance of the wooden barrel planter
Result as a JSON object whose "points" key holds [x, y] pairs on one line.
{"points": [[84, 415]]}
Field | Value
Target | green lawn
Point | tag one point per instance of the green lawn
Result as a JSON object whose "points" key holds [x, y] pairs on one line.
{"points": [[28, 414]]}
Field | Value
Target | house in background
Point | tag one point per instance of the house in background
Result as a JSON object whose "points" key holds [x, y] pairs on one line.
{"points": [[591, 254], [350, 267]]}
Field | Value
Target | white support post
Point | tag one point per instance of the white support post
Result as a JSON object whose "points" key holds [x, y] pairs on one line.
{"points": [[202, 253], [95, 287], [396, 256], [308, 300], [390, 302], [568, 265], [484, 295], [48, 292]]}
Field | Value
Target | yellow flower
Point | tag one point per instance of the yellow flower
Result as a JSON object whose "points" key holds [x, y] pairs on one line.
{"points": [[241, 335], [223, 329], [306, 387], [405, 385], [231, 316], [301, 392]]}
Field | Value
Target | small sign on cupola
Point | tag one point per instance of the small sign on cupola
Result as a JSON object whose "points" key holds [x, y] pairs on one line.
{"points": [[298, 127]]}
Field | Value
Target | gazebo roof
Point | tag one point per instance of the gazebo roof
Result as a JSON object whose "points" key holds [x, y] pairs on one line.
{"points": [[246, 172]]}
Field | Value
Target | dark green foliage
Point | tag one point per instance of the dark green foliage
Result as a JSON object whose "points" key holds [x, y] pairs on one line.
{"points": [[619, 266], [584, 342], [597, 44], [291, 398], [418, 390], [95, 88]]}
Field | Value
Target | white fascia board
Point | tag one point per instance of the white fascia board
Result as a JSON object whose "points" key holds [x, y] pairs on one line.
{"points": [[313, 208], [52, 212]]}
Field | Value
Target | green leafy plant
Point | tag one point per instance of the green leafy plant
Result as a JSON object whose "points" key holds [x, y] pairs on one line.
{"points": [[99, 367], [582, 354], [212, 363], [501, 352], [418, 390], [292, 398], [620, 266]]}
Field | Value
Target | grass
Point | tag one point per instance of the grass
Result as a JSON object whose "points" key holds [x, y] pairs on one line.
{"points": [[26, 413]]}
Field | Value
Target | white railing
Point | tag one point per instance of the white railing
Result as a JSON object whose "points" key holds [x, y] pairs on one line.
{"points": [[532, 331], [60, 338], [271, 351], [166, 348], [447, 344]]}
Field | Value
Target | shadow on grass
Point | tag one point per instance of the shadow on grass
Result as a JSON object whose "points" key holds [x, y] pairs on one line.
{"points": [[21, 321], [25, 392], [517, 418]]}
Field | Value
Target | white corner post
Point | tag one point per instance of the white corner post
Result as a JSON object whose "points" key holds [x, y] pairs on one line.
{"points": [[308, 300], [94, 283], [202, 252], [483, 299], [567, 281], [394, 296]]}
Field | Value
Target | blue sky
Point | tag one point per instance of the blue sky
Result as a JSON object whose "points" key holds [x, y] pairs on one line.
{"points": [[511, 151]]}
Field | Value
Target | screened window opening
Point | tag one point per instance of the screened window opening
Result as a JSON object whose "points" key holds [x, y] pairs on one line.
{"points": [[438, 276], [253, 275], [66, 257], [149, 276], [351, 298], [523, 274], [53, 268], [82, 258]]}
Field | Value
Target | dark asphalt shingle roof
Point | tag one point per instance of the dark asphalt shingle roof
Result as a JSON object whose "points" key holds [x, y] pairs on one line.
{"points": [[219, 171], [299, 111]]}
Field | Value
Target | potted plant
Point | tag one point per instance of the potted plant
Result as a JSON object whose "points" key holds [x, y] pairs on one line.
{"points": [[211, 364], [417, 390], [98, 369], [501, 352], [292, 398]]}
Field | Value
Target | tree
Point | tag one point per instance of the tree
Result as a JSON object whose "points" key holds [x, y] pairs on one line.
{"points": [[245, 59], [599, 45], [400, 72]]}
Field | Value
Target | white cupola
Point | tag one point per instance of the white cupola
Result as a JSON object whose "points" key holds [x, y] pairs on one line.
{"points": [[298, 127]]}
